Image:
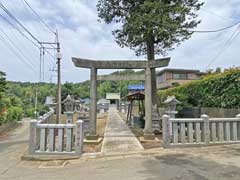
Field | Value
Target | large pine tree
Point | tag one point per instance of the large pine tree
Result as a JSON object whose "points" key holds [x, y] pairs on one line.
{"points": [[150, 27]]}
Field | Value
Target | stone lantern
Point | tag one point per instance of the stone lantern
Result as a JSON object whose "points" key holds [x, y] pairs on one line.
{"points": [[171, 103], [69, 108]]}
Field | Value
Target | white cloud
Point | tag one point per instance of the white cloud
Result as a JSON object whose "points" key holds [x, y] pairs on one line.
{"points": [[81, 35]]}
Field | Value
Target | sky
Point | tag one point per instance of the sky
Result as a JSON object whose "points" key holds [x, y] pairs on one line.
{"points": [[82, 35]]}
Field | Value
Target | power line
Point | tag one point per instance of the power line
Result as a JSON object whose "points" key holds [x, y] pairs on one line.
{"points": [[16, 54], [19, 27], [18, 22], [217, 30], [13, 44], [16, 27], [217, 15], [39, 17], [225, 47]]}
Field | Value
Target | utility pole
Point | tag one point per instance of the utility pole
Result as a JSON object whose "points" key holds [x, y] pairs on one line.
{"points": [[58, 92], [58, 108]]}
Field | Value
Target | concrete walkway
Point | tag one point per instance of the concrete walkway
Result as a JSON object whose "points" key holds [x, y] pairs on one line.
{"points": [[118, 138]]}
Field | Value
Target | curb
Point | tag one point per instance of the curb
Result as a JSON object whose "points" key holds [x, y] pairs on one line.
{"points": [[86, 156]]}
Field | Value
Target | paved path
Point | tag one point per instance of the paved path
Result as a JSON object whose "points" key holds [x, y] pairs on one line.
{"points": [[118, 138]]}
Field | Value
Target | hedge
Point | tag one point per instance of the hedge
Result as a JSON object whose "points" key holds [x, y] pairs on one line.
{"points": [[220, 90]]}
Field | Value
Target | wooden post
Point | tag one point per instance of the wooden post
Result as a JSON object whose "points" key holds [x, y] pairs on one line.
{"points": [[32, 137], [166, 131], [206, 131], [79, 136]]}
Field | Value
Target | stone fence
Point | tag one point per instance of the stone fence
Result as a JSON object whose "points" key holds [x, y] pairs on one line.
{"points": [[202, 131], [46, 118], [195, 112], [47, 138]]}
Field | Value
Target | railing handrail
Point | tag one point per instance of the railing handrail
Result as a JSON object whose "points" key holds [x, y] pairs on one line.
{"points": [[201, 119], [56, 126], [46, 116], [224, 119], [186, 120]]}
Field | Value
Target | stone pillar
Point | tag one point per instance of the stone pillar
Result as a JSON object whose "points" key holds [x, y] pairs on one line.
{"points": [[79, 137], [32, 137], [148, 105], [93, 104], [166, 131], [206, 129]]}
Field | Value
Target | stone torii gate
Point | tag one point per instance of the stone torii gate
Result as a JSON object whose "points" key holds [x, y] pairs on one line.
{"points": [[94, 65]]}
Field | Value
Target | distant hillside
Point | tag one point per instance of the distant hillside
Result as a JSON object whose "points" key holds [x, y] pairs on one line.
{"points": [[24, 93]]}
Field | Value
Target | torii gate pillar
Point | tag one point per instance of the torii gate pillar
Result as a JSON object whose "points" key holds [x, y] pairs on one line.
{"points": [[148, 104], [93, 103]]}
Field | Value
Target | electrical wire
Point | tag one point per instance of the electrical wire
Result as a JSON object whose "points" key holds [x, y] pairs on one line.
{"points": [[39, 17], [217, 30], [16, 47], [225, 47], [18, 22], [16, 54], [15, 27]]}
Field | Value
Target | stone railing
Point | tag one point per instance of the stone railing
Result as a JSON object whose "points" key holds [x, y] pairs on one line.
{"points": [[46, 117], [56, 138], [200, 131]]}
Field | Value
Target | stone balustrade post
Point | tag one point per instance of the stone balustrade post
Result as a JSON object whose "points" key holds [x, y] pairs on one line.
{"points": [[32, 137], [79, 136], [238, 116], [166, 131], [206, 129]]}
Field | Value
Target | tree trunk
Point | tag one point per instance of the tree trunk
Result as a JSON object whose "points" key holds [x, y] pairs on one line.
{"points": [[151, 57]]}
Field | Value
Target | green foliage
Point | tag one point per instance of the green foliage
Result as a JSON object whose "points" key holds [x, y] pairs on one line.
{"points": [[214, 90], [22, 95], [14, 113], [164, 23], [2, 82]]}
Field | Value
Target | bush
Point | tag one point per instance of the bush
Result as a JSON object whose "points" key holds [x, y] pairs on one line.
{"points": [[14, 113], [215, 90]]}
